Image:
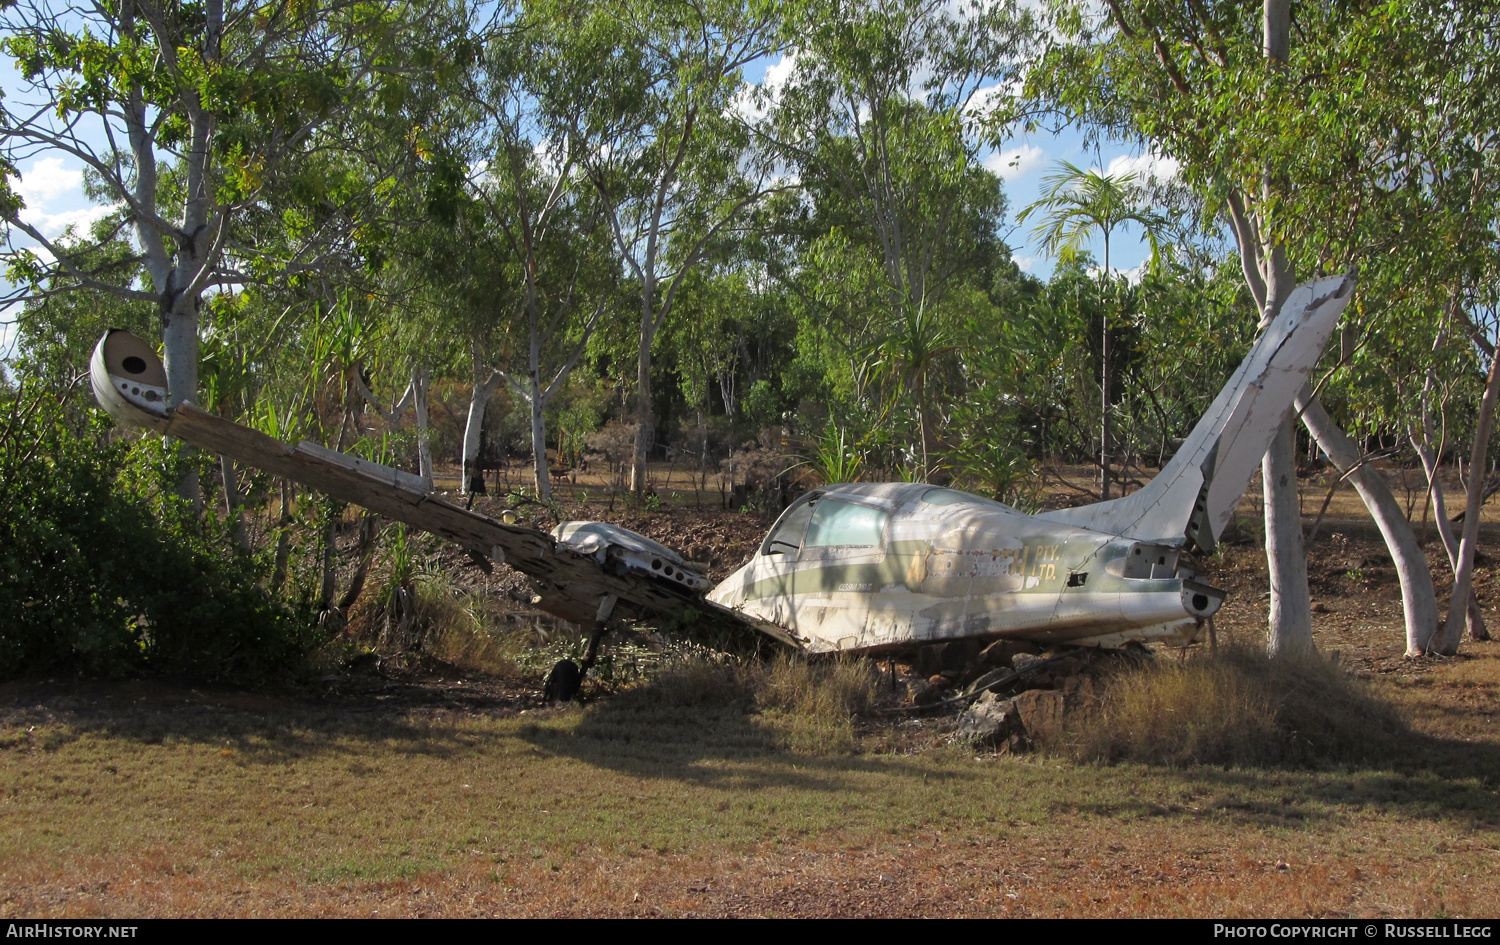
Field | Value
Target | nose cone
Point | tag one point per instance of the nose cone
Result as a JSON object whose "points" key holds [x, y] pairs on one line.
{"points": [[129, 380], [731, 591]]}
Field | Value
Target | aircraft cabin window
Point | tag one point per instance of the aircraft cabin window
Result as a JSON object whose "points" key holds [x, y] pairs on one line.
{"points": [[844, 523], [787, 538], [940, 496]]}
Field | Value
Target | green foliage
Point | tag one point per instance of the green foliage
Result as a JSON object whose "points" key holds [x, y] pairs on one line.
{"points": [[762, 405], [1371, 145], [107, 572], [837, 458]]}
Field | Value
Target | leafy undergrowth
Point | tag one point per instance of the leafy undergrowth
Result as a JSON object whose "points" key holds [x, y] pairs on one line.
{"points": [[1235, 706], [715, 790]]}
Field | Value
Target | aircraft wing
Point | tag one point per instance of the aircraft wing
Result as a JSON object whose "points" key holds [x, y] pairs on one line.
{"points": [[570, 582]]}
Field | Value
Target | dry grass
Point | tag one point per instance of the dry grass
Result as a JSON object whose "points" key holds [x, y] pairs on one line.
{"points": [[687, 797], [746, 790], [800, 705], [1236, 706], [452, 629], [812, 704]]}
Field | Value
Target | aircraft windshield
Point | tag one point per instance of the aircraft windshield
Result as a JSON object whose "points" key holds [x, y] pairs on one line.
{"points": [[844, 523], [787, 538]]}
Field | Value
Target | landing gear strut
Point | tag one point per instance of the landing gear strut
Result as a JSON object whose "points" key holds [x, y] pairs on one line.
{"points": [[566, 678]]}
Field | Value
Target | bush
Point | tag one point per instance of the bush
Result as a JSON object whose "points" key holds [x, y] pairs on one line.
{"points": [[1235, 707], [107, 572]]}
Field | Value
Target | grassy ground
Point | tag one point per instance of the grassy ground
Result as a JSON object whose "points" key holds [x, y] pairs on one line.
{"points": [[137, 799], [715, 793]]}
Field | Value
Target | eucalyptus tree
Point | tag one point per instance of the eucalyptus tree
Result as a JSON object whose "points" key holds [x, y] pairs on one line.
{"points": [[1077, 204], [550, 228], [1413, 90], [645, 94], [1311, 151], [878, 111], [183, 114]]}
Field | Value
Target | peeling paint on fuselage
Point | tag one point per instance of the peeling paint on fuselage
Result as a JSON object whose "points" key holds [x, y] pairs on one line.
{"points": [[957, 568]]}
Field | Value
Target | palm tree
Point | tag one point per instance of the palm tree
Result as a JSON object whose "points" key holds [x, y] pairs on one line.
{"points": [[1077, 204]]}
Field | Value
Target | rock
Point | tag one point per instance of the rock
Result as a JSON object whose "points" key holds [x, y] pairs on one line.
{"points": [[991, 723], [922, 692], [1021, 662], [1040, 712], [1002, 652]]}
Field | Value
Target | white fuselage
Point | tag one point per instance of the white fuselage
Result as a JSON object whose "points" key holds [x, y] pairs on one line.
{"points": [[880, 566]]}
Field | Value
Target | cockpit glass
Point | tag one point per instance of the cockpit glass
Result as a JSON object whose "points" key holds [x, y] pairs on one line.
{"points": [[844, 523], [941, 497], [787, 538]]}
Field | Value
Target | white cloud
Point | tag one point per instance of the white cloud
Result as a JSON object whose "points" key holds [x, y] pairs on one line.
{"points": [[52, 225], [1027, 263], [983, 101], [46, 179], [779, 71], [1147, 167], [1014, 163], [749, 102], [54, 198], [1133, 275]]}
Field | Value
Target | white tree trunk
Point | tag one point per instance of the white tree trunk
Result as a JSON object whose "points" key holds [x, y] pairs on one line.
{"points": [[1418, 596], [478, 400], [1463, 574], [1477, 630], [643, 429], [1286, 561], [424, 437], [541, 474], [1290, 618]]}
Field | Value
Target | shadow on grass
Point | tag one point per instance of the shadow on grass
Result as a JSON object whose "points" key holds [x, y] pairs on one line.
{"points": [[649, 732], [720, 739], [261, 728], [714, 735], [1420, 776]]}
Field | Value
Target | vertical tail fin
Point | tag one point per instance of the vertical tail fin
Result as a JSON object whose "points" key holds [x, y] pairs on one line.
{"points": [[1191, 499]]}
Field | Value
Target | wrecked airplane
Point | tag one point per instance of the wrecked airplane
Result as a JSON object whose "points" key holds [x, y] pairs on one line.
{"points": [[852, 568]]}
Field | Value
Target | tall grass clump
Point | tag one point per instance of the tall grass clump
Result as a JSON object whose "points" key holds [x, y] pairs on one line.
{"points": [[1238, 707], [800, 705], [453, 629], [419, 611], [812, 704]]}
